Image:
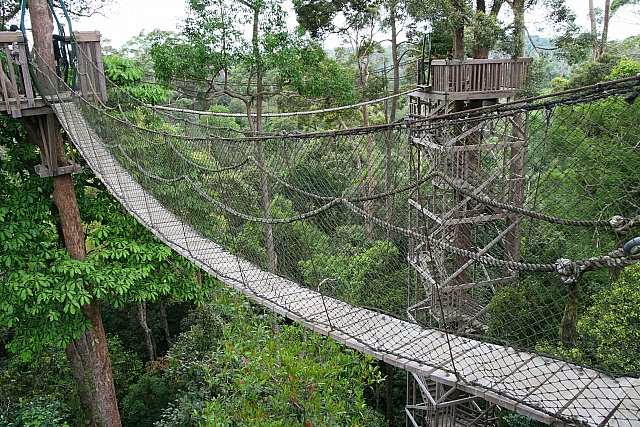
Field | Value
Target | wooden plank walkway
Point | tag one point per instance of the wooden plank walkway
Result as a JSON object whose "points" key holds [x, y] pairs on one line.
{"points": [[547, 390]]}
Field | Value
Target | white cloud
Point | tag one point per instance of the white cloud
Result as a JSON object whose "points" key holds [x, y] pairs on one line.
{"points": [[125, 19]]}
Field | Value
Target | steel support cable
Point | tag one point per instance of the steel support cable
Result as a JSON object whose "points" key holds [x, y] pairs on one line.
{"points": [[522, 106], [495, 112], [265, 115], [353, 131], [236, 166], [430, 124], [618, 223]]}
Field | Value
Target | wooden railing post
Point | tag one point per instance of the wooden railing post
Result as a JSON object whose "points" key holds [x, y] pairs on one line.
{"points": [[16, 91], [91, 80]]}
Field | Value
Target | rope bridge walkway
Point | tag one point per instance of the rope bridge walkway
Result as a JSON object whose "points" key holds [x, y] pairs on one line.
{"points": [[465, 248], [539, 387]]}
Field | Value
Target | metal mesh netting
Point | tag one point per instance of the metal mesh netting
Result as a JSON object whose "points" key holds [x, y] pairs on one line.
{"points": [[483, 251]]}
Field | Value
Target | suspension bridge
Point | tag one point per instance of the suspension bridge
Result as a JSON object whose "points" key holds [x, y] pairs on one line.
{"points": [[395, 240]]}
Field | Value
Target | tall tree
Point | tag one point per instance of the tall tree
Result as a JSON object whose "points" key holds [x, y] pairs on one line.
{"points": [[88, 355]]}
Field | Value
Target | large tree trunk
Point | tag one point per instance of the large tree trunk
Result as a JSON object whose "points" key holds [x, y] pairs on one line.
{"points": [[568, 327], [369, 183], [518, 28], [88, 355], [395, 58], [518, 149]]}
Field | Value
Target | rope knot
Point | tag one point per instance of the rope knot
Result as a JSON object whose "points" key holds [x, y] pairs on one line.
{"points": [[568, 270], [618, 223]]}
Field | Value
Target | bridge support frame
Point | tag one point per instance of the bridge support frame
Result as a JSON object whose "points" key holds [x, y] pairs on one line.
{"points": [[446, 291]]}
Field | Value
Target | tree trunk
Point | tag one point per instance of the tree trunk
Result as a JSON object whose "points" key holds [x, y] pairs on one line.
{"points": [[594, 30], [370, 183], [146, 330], [605, 29], [395, 59], [458, 33], [388, 170], [88, 355], [165, 323], [518, 28], [388, 394], [568, 327], [265, 190], [91, 366], [518, 149], [479, 51]]}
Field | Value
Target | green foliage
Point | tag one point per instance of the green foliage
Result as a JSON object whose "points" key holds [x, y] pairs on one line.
{"points": [[526, 314], [41, 412], [593, 71], [42, 391], [127, 78], [626, 67], [122, 71], [239, 366], [485, 31], [42, 288], [610, 325], [361, 272]]}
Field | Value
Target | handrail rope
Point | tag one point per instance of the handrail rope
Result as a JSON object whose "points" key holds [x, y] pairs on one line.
{"points": [[289, 114], [175, 179], [566, 268], [243, 115], [497, 112], [617, 222], [512, 105]]}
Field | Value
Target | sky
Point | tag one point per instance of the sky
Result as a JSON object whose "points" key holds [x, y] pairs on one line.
{"points": [[125, 19]]}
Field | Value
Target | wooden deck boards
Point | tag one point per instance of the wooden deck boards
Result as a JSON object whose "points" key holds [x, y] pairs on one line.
{"points": [[547, 390]]}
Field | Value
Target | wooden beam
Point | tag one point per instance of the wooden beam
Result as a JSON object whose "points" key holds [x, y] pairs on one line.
{"points": [[87, 36], [11, 37]]}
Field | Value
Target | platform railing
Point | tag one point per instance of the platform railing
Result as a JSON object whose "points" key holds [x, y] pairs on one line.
{"points": [[479, 75], [18, 95], [16, 88]]}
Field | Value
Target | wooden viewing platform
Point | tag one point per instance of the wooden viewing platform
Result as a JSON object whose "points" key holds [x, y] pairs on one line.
{"points": [[467, 80], [18, 92]]}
